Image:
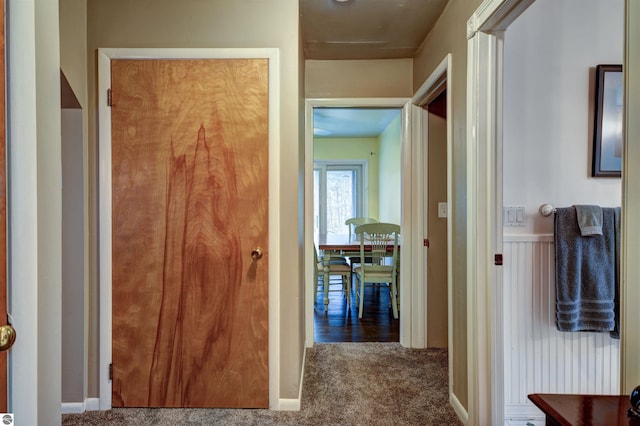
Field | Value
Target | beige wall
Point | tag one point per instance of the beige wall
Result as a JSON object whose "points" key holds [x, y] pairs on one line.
{"points": [[222, 24], [73, 62], [73, 46], [390, 181], [358, 79], [449, 36], [74, 343], [437, 297]]}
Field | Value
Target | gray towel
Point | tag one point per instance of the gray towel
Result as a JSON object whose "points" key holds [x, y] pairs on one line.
{"points": [[585, 273], [589, 219], [616, 331]]}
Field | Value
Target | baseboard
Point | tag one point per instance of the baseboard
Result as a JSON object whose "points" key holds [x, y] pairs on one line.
{"points": [[284, 404], [288, 404], [461, 412], [72, 407], [92, 404], [293, 404], [89, 404]]}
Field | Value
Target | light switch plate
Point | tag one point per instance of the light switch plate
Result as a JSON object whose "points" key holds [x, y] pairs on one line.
{"points": [[514, 216], [443, 209]]}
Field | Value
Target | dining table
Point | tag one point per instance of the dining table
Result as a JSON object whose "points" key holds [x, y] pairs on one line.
{"points": [[573, 409], [340, 245]]}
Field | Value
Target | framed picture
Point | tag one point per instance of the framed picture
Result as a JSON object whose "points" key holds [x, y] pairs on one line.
{"points": [[607, 132]]}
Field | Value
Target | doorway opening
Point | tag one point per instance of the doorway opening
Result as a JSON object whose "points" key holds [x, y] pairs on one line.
{"points": [[356, 174], [432, 134], [356, 151]]}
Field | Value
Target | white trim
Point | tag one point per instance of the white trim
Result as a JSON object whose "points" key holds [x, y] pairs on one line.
{"points": [[495, 15], [463, 415], [405, 296], [527, 238], [442, 74], [92, 404], [484, 206], [293, 404], [288, 404], [72, 408], [630, 248], [362, 185], [33, 209], [484, 230], [419, 300], [104, 163], [89, 404]]}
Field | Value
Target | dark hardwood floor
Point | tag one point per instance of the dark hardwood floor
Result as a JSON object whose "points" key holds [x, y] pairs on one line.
{"points": [[340, 324]]}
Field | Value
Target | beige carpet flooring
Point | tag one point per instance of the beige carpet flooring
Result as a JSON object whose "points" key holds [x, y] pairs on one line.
{"points": [[344, 384]]}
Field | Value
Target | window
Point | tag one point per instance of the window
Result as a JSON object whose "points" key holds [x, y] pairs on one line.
{"points": [[338, 194]]}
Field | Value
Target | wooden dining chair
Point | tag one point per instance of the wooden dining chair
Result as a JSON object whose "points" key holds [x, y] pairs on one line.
{"points": [[352, 224], [337, 266], [378, 242]]}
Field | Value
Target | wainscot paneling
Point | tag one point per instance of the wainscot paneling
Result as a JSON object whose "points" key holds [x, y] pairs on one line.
{"points": [[537, 357]]}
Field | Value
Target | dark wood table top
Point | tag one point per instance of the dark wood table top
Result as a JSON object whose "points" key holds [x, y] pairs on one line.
{"points": [[574, 410], [342, 242]]}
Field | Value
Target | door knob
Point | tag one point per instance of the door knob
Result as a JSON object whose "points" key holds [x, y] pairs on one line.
{"points": [[256, 253], [7, 337]]}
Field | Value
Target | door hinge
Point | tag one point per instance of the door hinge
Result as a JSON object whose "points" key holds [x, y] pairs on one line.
{"points": [[498, 259], [110, 371], [109, 102], [425, 242]]}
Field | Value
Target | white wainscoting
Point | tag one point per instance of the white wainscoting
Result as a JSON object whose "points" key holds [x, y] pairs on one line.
{"points": [[537, 357]]}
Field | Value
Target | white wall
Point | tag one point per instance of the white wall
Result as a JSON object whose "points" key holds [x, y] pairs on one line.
{"points": [[547, 98], [390, 175], [34, 210]]}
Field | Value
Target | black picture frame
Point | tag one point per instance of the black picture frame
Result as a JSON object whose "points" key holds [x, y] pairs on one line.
{"points": [[607, 131]]}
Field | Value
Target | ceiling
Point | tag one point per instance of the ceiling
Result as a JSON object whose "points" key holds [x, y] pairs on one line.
{"points": [[366, 29], [363, 29], [352, 122]]}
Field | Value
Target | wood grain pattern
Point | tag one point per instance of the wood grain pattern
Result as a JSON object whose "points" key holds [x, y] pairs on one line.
{"points": [[3, 213], [340, 323], [574, 409], [190, 202]]}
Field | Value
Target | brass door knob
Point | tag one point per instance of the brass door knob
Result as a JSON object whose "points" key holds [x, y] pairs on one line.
{"points": [[256, 253], [7, 337]]}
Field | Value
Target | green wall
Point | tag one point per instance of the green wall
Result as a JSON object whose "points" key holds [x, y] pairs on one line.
{"points": [[390, 176], [354, 149]]}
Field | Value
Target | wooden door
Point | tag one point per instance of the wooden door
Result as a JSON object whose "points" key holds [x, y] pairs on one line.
{"points": [[189, 188]]}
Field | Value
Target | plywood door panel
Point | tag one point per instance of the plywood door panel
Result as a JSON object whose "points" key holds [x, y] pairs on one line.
{"points": [[190, 187]]}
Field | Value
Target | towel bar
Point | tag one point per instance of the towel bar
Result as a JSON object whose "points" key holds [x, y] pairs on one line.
{"points": [[547, 210]]}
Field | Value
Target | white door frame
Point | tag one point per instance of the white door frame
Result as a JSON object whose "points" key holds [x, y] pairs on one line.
{"points": [[408, 242], [105, 256], [484, 206], [630, 248], [441, 75]]}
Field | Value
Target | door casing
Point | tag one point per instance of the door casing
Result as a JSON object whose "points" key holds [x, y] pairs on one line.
{"points": [[105, 258], [441, 75]]}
